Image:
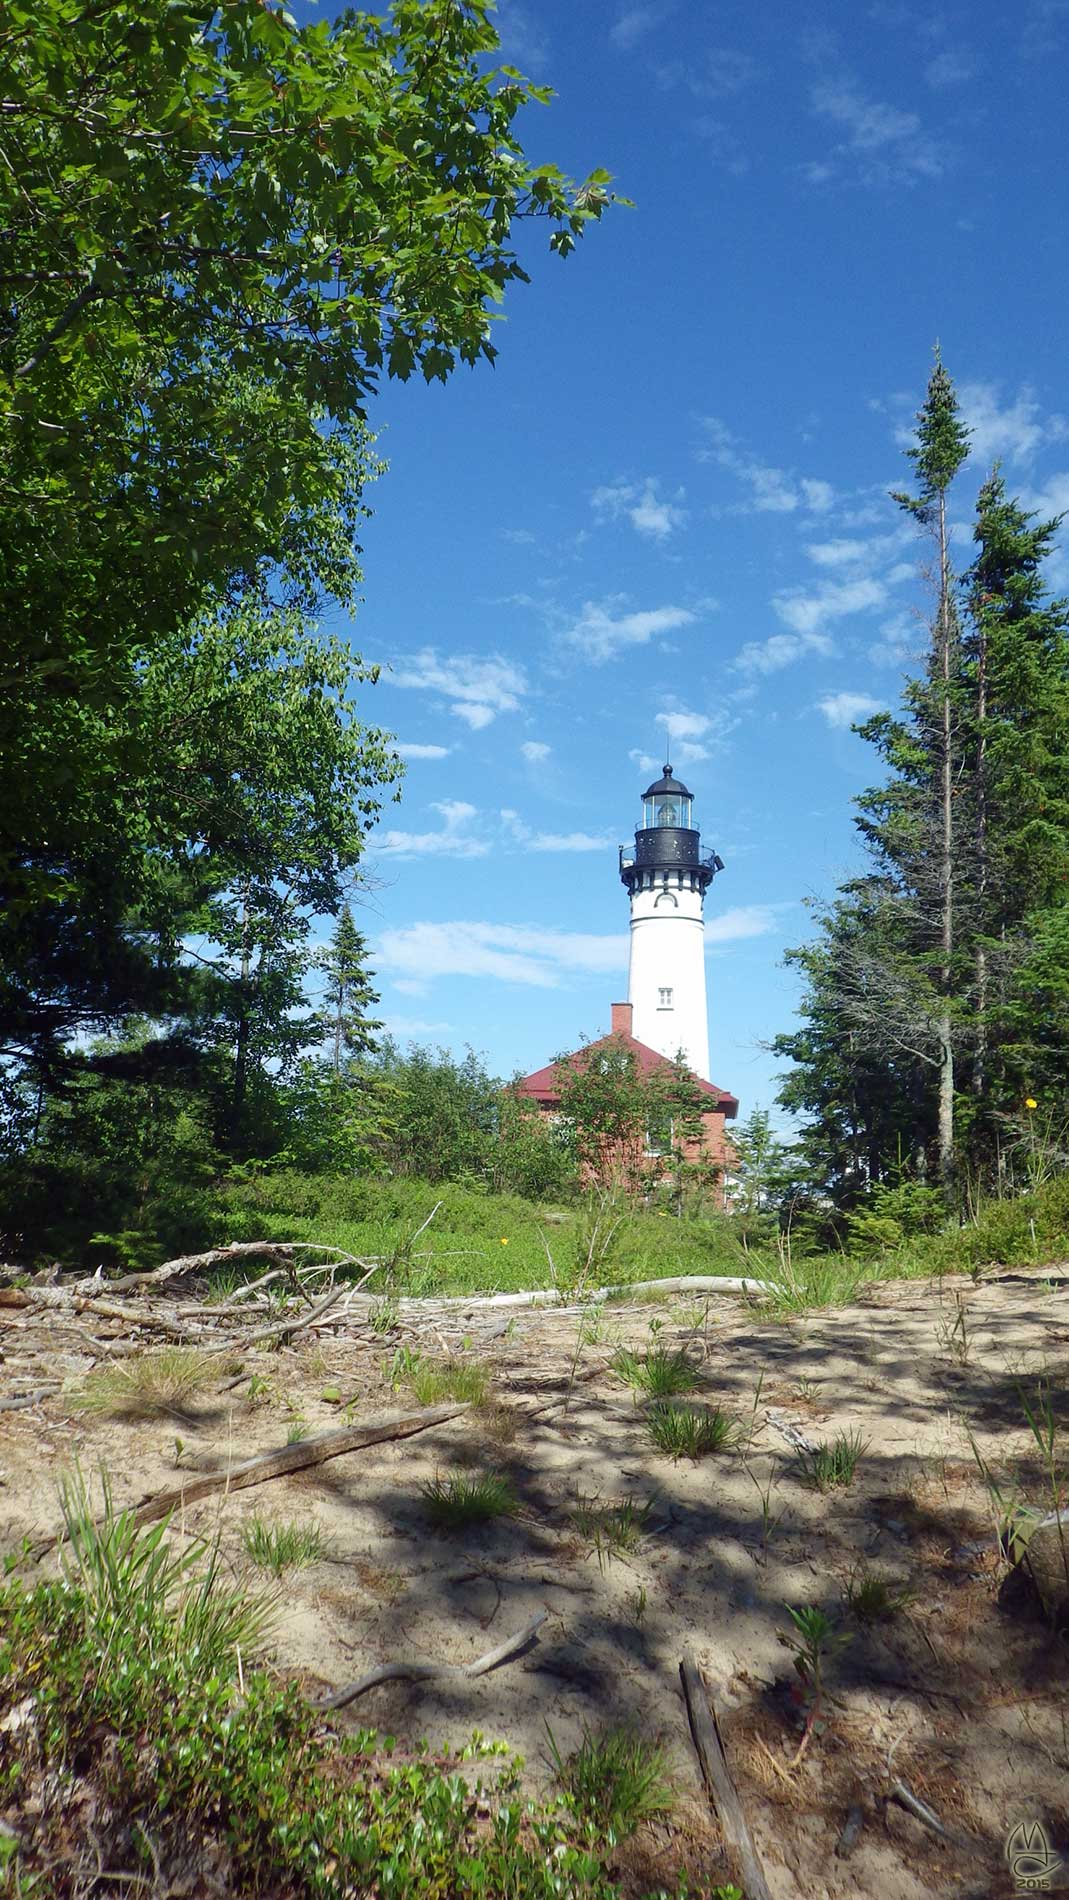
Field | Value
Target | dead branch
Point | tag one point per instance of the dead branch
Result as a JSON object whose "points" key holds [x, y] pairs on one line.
{"points": [[428, 1672], [723, 1794], [901, 1792], [283, 1462]]}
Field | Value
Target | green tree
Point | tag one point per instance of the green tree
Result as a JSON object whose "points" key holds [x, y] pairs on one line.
{"points": [[941, 447], [1017, 652], [220, 231], [348, 994]]}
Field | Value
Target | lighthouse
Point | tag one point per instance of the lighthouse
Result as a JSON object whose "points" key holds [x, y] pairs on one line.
{"points": [[667, 876]]}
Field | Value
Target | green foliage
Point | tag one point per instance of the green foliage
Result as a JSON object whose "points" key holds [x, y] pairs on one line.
{"points": [[814, 1643], [348, 994], [935, 987], [658, 1372], [831, 1467], [133, 1663], [280, 1547], [614, 1780], [455, 1503], [687, 1431]]}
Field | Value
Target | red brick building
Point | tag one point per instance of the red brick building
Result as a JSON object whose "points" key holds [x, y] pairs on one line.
{"points": [[714, 1147]]}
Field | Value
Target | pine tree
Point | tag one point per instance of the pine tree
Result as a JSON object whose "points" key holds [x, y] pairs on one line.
{"points": [[348, 994], [942, 446], [1017, 775]]}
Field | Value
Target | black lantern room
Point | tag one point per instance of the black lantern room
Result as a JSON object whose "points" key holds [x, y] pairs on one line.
{"points": [[667, 845]]}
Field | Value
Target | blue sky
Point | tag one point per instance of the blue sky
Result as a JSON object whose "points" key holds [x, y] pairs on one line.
{"points": [[660, 525]]}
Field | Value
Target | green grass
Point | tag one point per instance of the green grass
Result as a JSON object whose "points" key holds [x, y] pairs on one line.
{"points": [[152, 1385], [149, 1708], [612, 1530], [615, 1780], [462, 1500], [831, 1467], [657, 1372], [872, 1598], [476, 1242], [691, 1431], [482, 1242], [280, 1547], [433, 1381]]}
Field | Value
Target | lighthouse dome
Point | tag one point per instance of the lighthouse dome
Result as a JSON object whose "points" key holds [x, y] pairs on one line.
{"points": [[673, 786]]}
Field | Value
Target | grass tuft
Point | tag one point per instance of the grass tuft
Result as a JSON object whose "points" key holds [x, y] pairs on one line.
{"points": [[281, 1547], [152, 1385], [830, 1467], [454, 1503], [131, 1580], [434, 1381], [691, 1431], [612, 1529], [614, 1780], [657, 1371], [875, 1599]]}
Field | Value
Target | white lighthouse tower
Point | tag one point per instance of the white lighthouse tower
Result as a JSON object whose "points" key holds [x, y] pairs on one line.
{"points": [[667, 877]]}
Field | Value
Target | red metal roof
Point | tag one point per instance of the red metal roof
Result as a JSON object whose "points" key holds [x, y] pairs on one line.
{"points": [[542, 1085]]}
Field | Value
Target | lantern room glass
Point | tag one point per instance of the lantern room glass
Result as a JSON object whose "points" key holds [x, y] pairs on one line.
{"points": [[667, 808]]}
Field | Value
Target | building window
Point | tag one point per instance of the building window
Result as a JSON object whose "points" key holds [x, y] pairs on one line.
{"points": [[665, 999]]}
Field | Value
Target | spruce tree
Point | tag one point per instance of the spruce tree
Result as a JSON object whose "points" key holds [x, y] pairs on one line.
{"points": [[348, 994], [1017, 779], [941, 447]]}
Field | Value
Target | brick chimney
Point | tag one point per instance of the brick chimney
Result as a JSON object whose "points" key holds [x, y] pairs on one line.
{"points": [[621, 1019]]}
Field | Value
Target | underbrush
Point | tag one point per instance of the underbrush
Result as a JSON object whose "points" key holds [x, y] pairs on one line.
{"points": [[476, 1242], [136, 1746]]}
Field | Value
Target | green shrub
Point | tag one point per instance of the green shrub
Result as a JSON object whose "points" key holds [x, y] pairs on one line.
{"points": [[131, 1665], [690, 1431]]}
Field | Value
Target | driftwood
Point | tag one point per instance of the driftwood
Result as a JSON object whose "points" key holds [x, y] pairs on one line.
{"points": [[429, 1672], [27, 1398], [720, 1786], [901, 1792], [287, 1459]]}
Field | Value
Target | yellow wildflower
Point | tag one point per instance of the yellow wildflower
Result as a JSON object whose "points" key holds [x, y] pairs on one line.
{"points": [[1030, 1102], [504, 1241]]}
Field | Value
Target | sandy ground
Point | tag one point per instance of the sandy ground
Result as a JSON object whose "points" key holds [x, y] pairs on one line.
{"points": [[960, 1696]]}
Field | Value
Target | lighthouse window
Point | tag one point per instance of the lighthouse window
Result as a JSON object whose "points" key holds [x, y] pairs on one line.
{"points": [[665, 999]]}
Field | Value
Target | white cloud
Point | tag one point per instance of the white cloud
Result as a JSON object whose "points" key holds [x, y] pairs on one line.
{"points": [[884, 144], [532, 955], [721, 72], [844, 710], [1014, 431], [819, 496], [633, 25], [408, 750], [746, 920], [807, 613], [454, 840], [780, 650], [523, 40], [477, 689], [534, 751], [772, 490], [644, 760], [955, 67], [648, 514], [531, 840], [600, 632], [692, 735]]}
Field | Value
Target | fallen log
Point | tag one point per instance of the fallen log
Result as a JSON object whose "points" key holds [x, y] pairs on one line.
{"points": [[266, 1465], [429, 1672], [723, 1794]]}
